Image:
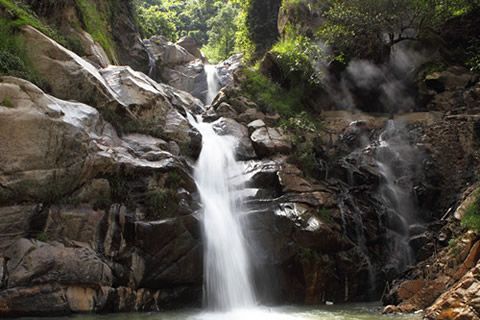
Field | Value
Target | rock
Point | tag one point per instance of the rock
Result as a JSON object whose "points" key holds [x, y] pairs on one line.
{"points": [[227, 111], [470, 200], [34, 263], [167, 53], [45, 300], [55, 143], [460, 301], [269, 141], [156, 108], [291, 179], [255, 125], [190, 77], [170, 253], [14, 224], [74, 226], [189, 44], [227, 68], [244, 149], [67, 75]]}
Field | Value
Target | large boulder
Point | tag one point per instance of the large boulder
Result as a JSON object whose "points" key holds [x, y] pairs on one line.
{"points": [[189, 44], [49, 145], [269, 141], [65, 74]]}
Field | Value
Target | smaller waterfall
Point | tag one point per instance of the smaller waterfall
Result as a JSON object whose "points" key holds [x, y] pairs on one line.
{"points": [[394, 157], [152, 64], [213, 84]]}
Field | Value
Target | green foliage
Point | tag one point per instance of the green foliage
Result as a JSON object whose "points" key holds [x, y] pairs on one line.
{"points": [[297, 55], [471, 219], [22, 15], [325, 215], [243, 40], [221, 36], [269, 95], [473, 60], [303, 128], [7, 102], [13, 57], [42, 236], [154, 20], [95, 18], [369, 28]]}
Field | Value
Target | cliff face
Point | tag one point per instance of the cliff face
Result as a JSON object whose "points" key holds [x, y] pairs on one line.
{"points": [[99, 211]]}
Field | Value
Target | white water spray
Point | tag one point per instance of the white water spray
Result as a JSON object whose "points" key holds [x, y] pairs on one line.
{"points": [[227, 270], [212, 83], [402, 211]]}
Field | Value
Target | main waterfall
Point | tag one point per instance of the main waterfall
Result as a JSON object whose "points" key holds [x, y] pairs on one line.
{"points": [[219, 179]]}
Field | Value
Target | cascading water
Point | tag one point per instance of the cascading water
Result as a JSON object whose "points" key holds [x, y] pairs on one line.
{"points": [[227, 279], [219, 179], [212, 83], [394, 157]]}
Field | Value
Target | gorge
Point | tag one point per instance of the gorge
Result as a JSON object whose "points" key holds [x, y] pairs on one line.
{"points": [[268, 159]]}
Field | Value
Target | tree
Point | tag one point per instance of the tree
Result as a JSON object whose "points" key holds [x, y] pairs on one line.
{"points": [[369, 28], [221, 34], [155, 20]]}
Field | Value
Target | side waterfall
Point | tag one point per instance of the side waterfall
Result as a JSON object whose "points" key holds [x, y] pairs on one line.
{"points": [[227, 284], [393, 158]]}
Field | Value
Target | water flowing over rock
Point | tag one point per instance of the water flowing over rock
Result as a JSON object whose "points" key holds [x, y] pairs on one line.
{"points": [[219, 178]]}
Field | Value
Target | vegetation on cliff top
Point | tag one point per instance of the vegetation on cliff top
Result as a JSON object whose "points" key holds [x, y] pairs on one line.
{"points": [[13, 58]]}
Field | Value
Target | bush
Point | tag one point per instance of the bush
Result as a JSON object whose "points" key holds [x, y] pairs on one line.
{"points": [[471, 219], [296, 56], [269, 95], [303, 128], [473, 60]]}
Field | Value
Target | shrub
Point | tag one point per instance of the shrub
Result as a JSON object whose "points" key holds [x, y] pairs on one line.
{"points": [[13, 57], [270, 96], [471, 219], [303, 128], [473, 53]]}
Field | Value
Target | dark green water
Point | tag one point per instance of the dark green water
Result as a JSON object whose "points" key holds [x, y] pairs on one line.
{"points": [[343, 312]]}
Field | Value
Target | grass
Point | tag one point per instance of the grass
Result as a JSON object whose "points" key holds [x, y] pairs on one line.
{"points": [[471, 219], [22, 15], [7, 102], [13, 58], [95, 20]]}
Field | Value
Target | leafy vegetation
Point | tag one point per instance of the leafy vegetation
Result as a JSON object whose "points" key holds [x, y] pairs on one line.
{"points": [[297, 56], [271, 96], [13, 57], [471, 219], [304, 129], [95, 17], [212, 23], [7, 102], [369, 28]]}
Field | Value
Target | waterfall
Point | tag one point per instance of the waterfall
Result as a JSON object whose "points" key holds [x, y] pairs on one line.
{"points": [[212, 83], [395, 158], [226, 265], [220, 181]]}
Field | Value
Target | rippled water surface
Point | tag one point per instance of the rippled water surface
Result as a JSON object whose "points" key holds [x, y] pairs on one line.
{"points": [[351, 312]]}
